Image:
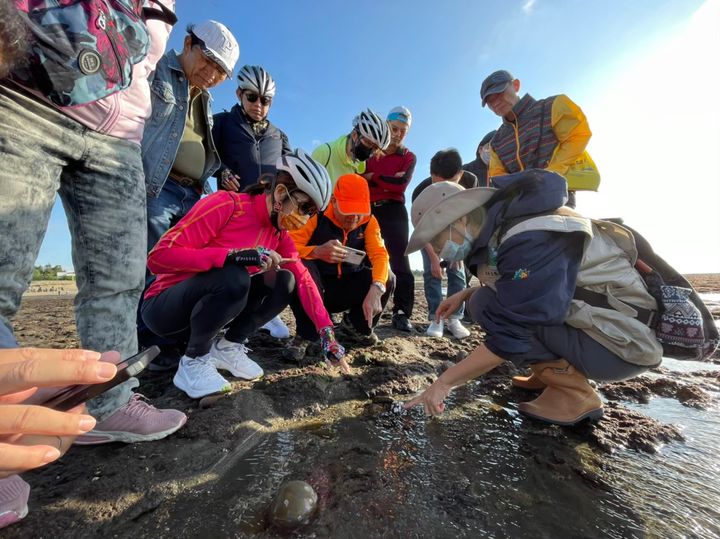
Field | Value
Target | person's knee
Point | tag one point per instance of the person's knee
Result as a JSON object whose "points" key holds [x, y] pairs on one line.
{"points": [[235, 282], [479, 300], [285, 281]]}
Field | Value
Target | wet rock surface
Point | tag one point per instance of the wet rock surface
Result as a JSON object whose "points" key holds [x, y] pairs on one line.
{"points": [[350, 440]]}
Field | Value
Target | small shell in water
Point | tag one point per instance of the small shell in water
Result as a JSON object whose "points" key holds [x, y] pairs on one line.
{"points": [[294, 504]]}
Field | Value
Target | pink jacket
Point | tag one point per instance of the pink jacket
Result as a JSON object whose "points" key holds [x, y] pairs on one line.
{"points": [[216, 224], [123, 114]]}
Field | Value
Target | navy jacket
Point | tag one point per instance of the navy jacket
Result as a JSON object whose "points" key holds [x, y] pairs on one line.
{"points": [[241, 151], [538, 269]]}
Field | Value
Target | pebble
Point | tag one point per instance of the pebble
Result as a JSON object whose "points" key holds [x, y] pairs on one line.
{"points": [[294, 504]]}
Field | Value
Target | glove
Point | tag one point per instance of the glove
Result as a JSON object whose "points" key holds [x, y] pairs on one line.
{"points": [[333, 351], [247, 257]]}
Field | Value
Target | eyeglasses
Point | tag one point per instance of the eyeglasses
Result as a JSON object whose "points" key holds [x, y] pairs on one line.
{"points": [[306, 207], [252, 97]]}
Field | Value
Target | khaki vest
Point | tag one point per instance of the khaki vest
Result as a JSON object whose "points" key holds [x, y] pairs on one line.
{"points": [[607, 267]]}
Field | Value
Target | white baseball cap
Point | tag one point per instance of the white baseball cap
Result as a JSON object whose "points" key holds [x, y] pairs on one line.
{"points": [[220, 45]]}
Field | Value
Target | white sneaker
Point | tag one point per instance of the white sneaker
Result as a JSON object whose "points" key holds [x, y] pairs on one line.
{"points": [[277, 328], [457, 329], [232, 356], [435, 329], [198, 377]]}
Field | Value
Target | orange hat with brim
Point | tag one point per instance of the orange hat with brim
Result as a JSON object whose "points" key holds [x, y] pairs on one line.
{"points": [[352, 195]]}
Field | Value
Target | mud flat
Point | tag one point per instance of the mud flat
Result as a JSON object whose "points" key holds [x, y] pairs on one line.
{"points": [[648, 469]]}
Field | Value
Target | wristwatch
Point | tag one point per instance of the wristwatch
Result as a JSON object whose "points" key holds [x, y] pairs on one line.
{"points": [[380, 286]]}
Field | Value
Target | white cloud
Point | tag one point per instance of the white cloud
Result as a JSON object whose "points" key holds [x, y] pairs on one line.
{"points": [[528, 6]]}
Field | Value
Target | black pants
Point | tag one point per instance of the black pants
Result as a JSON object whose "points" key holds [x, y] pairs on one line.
{"points": [[340, 294], [393, 219], [196, 309]]}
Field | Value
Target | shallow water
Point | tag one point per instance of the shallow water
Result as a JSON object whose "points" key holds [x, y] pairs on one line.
{"points": [[476, 472]]}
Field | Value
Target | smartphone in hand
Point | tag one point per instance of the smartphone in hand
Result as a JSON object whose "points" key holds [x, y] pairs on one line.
{"points": [[71, 396]]}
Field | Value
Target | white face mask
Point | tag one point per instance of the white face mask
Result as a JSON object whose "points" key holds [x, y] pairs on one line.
{"points": [[454, 252], [485, 154]]}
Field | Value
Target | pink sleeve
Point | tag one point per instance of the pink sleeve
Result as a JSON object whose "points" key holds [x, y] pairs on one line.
{"points": [[307, 290], [182, 248]]}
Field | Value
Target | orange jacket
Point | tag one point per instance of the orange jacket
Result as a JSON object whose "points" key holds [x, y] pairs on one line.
{"points": [[366, 237]]}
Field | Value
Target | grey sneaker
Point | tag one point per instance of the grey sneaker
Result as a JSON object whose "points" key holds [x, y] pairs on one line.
{"points": [[296, 349], [361, 338]]}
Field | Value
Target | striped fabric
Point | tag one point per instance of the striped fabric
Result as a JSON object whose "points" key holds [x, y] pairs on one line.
{"points": [[533, 133]]}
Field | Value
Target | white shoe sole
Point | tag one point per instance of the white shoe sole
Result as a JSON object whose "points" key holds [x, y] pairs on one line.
{"points": [[106, 437], [197, 394], [243, 375]]}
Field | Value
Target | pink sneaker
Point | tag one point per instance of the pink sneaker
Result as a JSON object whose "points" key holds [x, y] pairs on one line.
{"points": [[14, 494], [137, 421]]}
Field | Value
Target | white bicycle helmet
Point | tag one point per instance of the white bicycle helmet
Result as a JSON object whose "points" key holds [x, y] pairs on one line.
{"points": [[256, 79], [309, 176], [373, 127]]}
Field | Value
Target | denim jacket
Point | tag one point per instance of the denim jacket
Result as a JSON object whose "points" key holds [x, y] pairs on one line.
{"points": [[163, 131]]}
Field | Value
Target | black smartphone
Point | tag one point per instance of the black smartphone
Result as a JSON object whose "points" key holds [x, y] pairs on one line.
{"points": [[71, 396]]}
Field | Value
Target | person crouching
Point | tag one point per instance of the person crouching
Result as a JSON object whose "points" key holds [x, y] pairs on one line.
{"points": [[344, 252], [536, 260], [230, 262]]}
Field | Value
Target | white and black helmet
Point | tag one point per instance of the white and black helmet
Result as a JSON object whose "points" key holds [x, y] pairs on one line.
{"points": [[256, 79], [373, 127], [309, 176]]}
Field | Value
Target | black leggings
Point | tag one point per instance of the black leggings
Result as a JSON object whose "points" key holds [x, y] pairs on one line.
{"points": [[196, 309], [393, 220], [346, 293]]}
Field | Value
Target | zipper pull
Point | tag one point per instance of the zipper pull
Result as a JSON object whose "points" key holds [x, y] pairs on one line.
{"points": [[101, 21]]}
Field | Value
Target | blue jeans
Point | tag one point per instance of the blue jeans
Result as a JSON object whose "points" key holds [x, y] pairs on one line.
{"points": [[101, 185], [171, 205], [433, 287]]}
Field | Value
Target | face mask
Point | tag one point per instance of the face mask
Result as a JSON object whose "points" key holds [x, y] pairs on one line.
{"points": [[362, 152], [454, 252], [485, 154], [293, 220]]}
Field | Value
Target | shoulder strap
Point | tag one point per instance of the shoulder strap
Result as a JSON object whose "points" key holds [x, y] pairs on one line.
{"points": [[163, 14]]}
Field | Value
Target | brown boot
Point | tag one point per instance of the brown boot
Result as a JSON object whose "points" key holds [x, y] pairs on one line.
{"points": [[568, 398], [531, 382]]}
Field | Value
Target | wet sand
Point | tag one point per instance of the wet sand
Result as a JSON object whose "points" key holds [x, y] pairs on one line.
{"points": [[217, 475]]}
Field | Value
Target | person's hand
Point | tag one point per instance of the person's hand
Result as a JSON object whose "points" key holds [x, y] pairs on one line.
{"points": [[333, 351], [432, 399], [399, 174], [435, 268], [267, 259], [229, 181], [332, 251], [450, 305], [32, 436], [371, 305]]}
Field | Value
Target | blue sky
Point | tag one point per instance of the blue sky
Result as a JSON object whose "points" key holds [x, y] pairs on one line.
{"points": [[640, 70]]}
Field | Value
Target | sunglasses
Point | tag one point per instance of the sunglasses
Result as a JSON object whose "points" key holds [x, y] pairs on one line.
{"points": [[306, 207], [252, 98]]}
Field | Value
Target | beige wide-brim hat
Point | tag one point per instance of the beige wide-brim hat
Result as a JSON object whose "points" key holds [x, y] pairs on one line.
{"points": [[440, 205]]}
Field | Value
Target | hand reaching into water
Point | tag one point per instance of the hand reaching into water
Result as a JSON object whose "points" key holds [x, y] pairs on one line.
{"points": [[432, 399]]}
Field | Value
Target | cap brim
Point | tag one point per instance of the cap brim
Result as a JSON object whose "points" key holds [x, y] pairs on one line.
{"points": [[495, 89], [217, 59], [353, 207], [449, 210]]}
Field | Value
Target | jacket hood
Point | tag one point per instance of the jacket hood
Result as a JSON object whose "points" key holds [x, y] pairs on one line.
{"points": [[521, 194]]}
